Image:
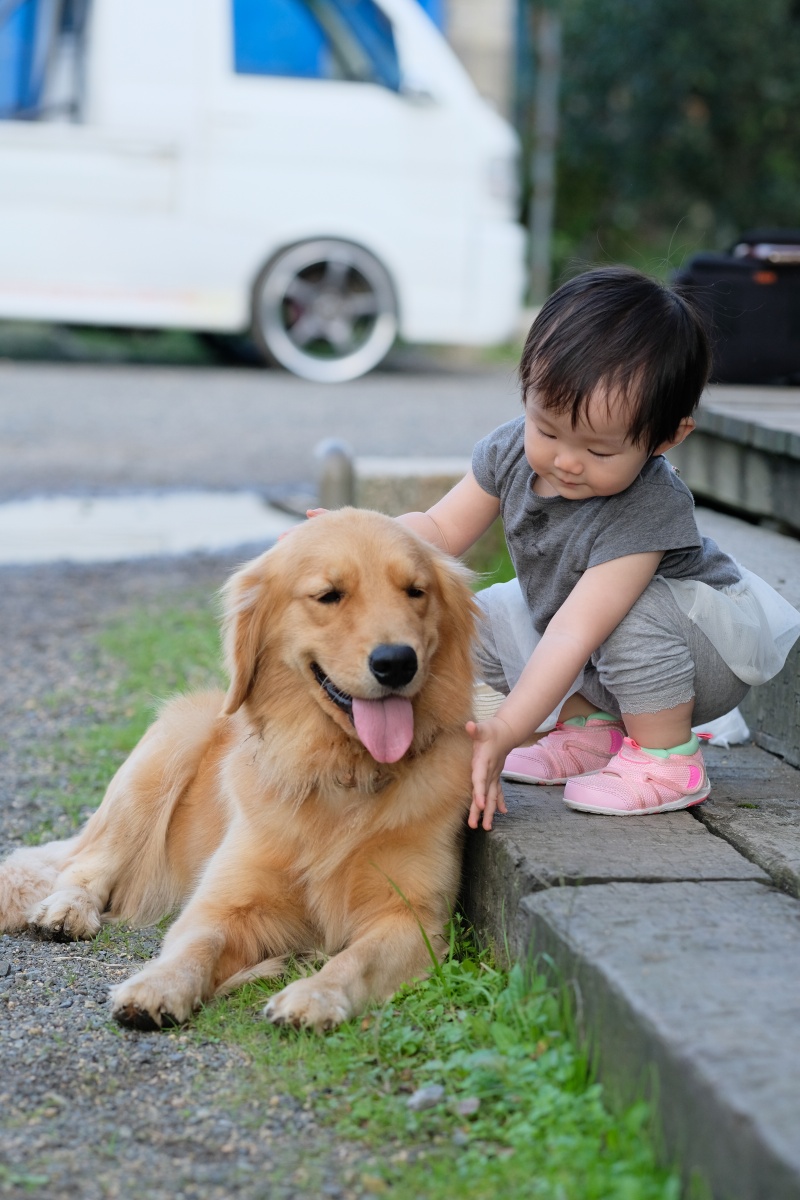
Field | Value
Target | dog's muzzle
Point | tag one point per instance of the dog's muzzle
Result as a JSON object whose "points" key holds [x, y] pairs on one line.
{"points": [[385, 727]]}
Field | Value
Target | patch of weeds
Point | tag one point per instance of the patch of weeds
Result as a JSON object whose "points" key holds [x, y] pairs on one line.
{"points": [[165, 651], [43, 833], [13, 1177], [746, 804], [37, 340], [153, 654], [519, 1112], [124, 939], [57, 701]]}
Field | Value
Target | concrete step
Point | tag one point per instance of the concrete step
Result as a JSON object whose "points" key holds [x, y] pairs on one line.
{"points": [[679, 952], [745, 452], [755, 806], [773, 710]]}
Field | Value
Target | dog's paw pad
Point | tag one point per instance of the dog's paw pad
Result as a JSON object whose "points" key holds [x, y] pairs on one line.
{"points": [[68, 915], [50, 933], [134, 1017]]}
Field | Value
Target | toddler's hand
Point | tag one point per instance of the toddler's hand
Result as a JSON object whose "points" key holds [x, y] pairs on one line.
{"points": [[492, 740], [310, 512]]}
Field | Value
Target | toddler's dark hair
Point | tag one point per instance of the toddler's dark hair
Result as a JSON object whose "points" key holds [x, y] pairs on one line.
{"points": [[615, 327]]}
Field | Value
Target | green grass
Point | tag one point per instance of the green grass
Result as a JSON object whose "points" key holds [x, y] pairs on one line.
{"points": [[163, 652], [42, 341], [520, 1114], [490, 559], [12, 1178]]}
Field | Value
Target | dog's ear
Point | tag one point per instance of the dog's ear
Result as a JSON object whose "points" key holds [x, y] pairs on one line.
{"points": [[243, 626], [457, 628]]}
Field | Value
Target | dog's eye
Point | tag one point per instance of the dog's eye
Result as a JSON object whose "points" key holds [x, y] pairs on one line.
{"points": [[415, 593], [331, 597]]}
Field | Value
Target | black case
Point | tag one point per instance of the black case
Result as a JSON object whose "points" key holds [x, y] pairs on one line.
{"points": [[751, 297]]}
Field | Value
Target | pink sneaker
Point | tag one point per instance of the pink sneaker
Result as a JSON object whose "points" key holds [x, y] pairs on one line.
{"points": [[636, 783], [576, 747]]}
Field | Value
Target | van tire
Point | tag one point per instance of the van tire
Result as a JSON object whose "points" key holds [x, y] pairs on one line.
{"points": [[325, 310]]}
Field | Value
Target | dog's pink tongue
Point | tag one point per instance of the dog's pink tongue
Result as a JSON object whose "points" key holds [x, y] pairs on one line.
{"points": [[386, 727]]}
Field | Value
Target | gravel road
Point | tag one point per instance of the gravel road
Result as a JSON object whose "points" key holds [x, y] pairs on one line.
{"points": [[86, 1110]]}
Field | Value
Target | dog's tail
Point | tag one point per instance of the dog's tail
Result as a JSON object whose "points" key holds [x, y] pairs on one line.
{"points": [[134, 820], [270, 968]]}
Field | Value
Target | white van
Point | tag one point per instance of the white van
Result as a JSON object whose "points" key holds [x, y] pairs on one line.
{"points": [[320, 172]]}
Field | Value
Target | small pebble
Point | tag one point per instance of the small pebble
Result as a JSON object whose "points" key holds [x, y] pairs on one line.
{"points": [[426, 1097]]}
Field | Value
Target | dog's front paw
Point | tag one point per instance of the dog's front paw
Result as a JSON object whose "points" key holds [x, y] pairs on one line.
{"points": [[69, 915], [26, 877], [310, 1003], [155, 998]]}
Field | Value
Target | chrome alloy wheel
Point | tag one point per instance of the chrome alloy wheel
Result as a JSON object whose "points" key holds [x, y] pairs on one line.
{"points": [[325, 310]]}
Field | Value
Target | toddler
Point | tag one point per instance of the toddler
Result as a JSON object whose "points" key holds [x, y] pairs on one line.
{"points": [[623, 622]]}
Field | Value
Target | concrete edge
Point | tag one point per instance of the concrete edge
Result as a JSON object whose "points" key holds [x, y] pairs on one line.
{"points": [[700, 1134], [699, 1130]]}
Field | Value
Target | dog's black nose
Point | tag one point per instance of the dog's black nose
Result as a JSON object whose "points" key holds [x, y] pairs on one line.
{"points": [[393, 665]]}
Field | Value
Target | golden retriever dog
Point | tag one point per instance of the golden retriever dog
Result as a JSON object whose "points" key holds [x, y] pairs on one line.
{"points": [[316, 808]]}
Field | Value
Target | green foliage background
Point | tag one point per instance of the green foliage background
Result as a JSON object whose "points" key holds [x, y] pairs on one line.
{"points": [[679, 126]]}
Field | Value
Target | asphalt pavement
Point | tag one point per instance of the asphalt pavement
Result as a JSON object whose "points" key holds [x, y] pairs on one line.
{"points": [[67, 427]]}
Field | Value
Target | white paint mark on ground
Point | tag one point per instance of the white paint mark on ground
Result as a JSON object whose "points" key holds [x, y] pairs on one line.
{"points": [[116, 528]]}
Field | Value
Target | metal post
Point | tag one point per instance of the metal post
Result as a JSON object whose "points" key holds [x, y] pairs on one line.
{"points": [[337, 477], [547, 44]]}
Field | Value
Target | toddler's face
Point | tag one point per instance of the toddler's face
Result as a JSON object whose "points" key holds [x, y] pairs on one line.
{"points": [[593, 459]]}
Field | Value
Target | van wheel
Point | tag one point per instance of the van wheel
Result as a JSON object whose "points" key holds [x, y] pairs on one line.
{"points": [[325, 310]]}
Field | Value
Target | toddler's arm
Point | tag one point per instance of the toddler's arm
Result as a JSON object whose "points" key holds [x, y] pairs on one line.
{"points": [[594, 607], [457, 521]]}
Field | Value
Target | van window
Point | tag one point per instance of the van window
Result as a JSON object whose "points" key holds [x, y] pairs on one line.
{"points": [[315, 39], [18, 90], [42, 47]]}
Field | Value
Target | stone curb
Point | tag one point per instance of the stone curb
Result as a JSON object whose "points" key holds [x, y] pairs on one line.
{"points": [[680, 955]]}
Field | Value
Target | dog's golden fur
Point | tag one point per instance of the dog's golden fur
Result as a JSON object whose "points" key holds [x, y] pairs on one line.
{"points": [[262, 815]]}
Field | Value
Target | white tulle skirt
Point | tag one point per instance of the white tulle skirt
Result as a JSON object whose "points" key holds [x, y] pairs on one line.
{"points": [[750, 626]]}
